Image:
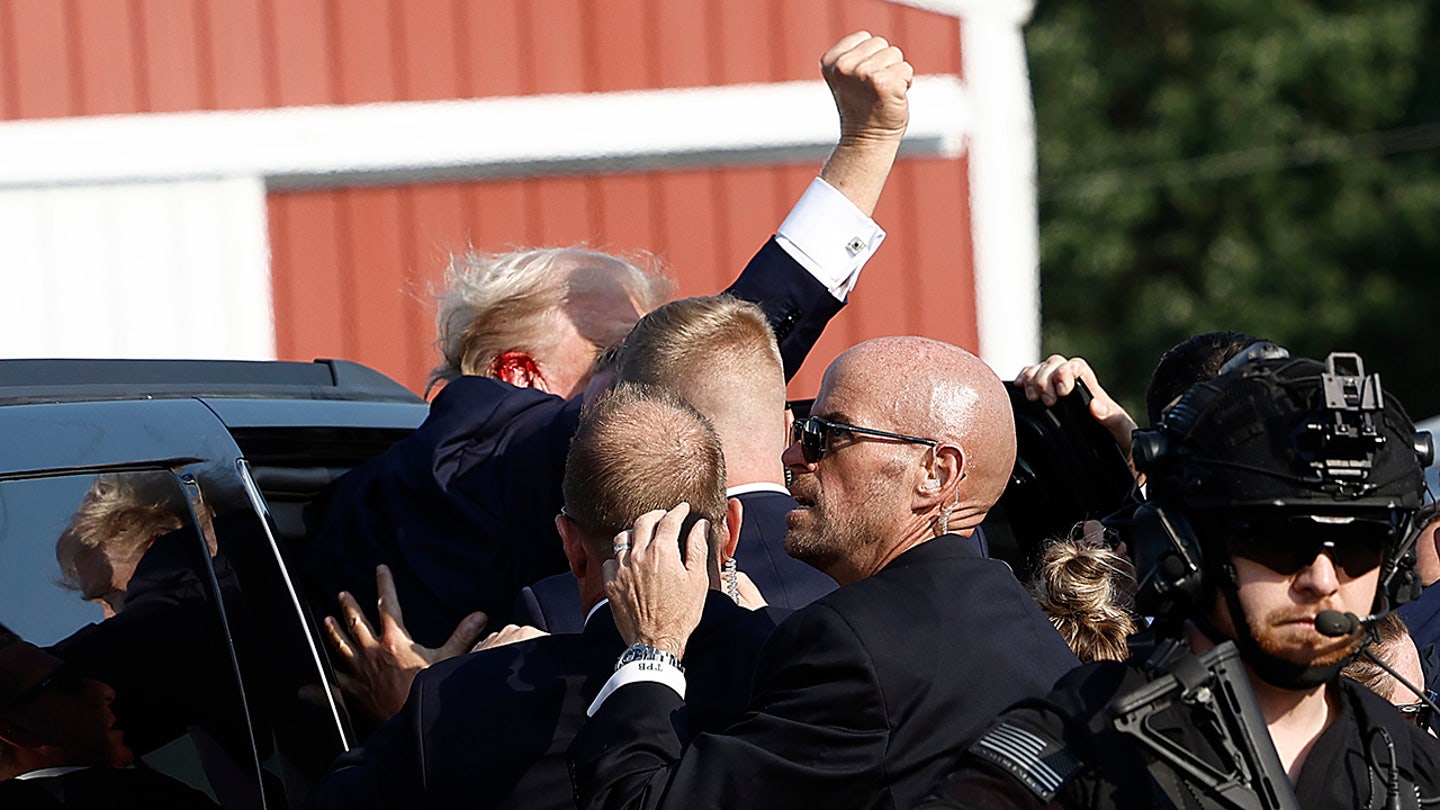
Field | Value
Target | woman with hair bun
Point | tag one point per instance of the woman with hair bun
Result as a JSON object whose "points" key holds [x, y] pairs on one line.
{"points": [[1087, 589]]}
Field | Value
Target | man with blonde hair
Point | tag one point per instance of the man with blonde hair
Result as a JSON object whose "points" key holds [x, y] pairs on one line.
{"points": [[535, 318], [462, 510]]}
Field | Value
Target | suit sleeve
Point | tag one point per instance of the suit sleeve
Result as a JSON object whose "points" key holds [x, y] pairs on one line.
{"points": [[815, 734], [528, 610], [387, 770], [797, 305]]}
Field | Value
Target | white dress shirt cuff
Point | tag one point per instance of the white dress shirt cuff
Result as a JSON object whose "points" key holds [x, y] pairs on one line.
{"points": [[829, 237], [637, 672]]}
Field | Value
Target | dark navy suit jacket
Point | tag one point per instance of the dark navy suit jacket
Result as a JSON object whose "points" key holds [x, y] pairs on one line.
{"points": [[1422, 617], [862, 700], [553, 603], [463, 510], [490, 729]]}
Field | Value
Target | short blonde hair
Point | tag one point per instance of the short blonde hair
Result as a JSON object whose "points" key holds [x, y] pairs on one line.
{"points": [[683, 340], [1088, 592], [495, 302]]}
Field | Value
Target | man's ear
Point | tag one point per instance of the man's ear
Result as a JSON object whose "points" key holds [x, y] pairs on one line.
{"points": [[574, 545], [19, 735], [941, 474], [734, 514], [519, 369]]}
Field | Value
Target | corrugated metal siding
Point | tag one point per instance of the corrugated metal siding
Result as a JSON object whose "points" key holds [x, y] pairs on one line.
{"points": [[351, 268]]}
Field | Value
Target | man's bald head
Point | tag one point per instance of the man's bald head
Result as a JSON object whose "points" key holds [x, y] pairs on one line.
{"points": [[928, 388], [917, 440]]}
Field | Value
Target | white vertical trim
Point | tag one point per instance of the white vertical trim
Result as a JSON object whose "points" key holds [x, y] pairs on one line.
{"points": [[1002, 193], [1003, 212]]}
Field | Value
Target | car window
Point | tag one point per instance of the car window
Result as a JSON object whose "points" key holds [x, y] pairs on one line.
{"points": [[112, 581], [164, 596]]}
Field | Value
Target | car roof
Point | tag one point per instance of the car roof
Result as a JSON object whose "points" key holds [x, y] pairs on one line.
{"points": [[67, 380]]}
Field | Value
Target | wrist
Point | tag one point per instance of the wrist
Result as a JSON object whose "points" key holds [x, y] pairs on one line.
{"points": [[670, 644], [643, 652]]}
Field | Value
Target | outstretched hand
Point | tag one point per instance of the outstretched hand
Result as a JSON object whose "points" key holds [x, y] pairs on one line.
{"points": [[1055, 377], [656, 597], [383, 665]]}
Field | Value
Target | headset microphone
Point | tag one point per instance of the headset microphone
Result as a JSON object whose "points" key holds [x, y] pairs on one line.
{"points": [[1335, 624]]}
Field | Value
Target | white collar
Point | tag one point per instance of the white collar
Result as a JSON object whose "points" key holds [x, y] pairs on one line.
{"points": [[758, 486], [598, 605], [42, 773]]}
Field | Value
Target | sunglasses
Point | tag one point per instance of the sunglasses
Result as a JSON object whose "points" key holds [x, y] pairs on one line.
{"points": [[1286, 547], [814, 435], [1419, 713], [62, 679]]}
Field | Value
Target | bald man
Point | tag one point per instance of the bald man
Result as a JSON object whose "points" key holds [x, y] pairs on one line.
{"points": [[864, 697]]}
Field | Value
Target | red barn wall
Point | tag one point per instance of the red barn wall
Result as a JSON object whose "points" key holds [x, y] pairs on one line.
{"points": [[351, 268]]}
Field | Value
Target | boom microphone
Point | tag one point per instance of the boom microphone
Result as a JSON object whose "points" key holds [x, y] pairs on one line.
{"points": [[1335, 624]]}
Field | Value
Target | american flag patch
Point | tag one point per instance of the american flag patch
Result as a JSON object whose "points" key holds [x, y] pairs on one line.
{"points": [[1041, 764]]}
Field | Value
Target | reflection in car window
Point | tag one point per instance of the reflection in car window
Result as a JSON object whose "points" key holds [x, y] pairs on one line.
{"points": [[106, 585]]}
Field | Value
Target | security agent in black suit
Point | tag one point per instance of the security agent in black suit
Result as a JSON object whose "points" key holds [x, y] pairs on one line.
{"points": [[1279, 499], [864, 697], [59, 743], [490, 729], [553, 603], [719, 354], [461, 511]]}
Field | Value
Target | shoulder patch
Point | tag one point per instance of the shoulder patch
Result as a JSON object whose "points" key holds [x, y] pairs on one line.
{"points": [[1040, 763]]}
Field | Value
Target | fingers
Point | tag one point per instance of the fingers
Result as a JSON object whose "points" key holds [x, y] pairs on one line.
{"points": [[392, 619], [509, 634], [869, 78], [828, 59], [697, 549], [464, 636], [650, 527], [359, 626], [338, 639], [1055, 377], [750, 595]]}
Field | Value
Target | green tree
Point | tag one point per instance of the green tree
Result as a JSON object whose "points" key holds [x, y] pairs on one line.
{"points": [[1272, 168]]}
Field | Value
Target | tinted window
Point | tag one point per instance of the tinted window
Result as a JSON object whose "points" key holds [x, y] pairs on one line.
{"points": [[111, 578]]}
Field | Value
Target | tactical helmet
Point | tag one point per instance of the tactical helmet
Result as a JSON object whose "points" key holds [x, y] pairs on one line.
{"points": [[1271, 437]]}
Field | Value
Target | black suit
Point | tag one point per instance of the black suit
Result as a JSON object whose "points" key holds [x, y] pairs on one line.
{"points": [[490, 729], [862, 699], [553, 603], [463, 510]]}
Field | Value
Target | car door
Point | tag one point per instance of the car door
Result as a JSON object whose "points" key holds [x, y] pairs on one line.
{"points": [[134, 549]]}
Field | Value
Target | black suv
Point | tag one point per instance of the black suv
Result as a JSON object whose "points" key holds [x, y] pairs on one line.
{"points": [[147, 513]]}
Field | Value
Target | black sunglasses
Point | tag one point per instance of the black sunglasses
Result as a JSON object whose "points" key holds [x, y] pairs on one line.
{"points": [[1420, 713], [814, 434], [62, 679], [1285, 547]]}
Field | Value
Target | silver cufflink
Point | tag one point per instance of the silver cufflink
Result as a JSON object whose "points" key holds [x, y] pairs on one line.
{"points": [[855, 246]]}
